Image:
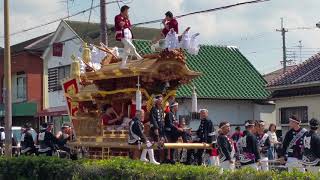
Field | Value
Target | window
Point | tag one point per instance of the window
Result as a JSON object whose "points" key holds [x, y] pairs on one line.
{"points": [[56, 75], [64, 72], [300, 112], [21, 86]]}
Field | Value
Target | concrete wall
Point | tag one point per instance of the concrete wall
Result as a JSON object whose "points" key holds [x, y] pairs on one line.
{"points": [[234, 111], [56, 98], [312, 102], [266, 113]]}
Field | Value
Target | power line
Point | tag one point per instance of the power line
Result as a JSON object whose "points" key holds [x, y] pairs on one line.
{"points": [[57, 20], [247, 37], [142, 23], [303, 48], [87, 29], [204, 11], [137, 24], [118, 5], [90, 11], [263, 34], [129, 1], [302, 28]]}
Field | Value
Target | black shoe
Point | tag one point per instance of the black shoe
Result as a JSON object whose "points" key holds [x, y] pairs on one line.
{"points": [[166, 161], [172, 162]]}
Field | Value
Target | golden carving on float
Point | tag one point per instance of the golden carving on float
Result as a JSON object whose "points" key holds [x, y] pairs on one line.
{"points": [[117, 87], [169, 94], [117, 72]]}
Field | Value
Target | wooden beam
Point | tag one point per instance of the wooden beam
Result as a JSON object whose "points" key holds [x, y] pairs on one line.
{"points": [[125, 145]]}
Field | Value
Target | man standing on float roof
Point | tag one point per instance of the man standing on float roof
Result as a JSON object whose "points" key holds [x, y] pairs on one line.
{"points": [[124, 34], [169, 23]]}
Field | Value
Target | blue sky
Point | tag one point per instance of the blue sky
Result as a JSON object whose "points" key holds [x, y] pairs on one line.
{"points": [[251, 28]]}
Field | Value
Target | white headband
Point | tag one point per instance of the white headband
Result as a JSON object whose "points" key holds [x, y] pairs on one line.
{"points": [[290, 119], [174, 104], [201, 110], [228, 124], [248, 124]]}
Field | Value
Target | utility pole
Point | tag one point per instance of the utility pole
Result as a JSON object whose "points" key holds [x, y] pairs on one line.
{"points": [[300, 50], [7, 69], [283, 33], [103, 23]]}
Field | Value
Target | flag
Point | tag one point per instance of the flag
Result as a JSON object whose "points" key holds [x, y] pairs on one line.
{"points": [[71, 88]]}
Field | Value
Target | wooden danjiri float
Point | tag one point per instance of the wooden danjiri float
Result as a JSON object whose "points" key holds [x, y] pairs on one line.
{"points": [[88, 92]]}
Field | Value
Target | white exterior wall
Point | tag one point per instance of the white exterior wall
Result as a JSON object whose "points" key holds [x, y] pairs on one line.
{"points": [[312, 102], [56, 98], [236, 112], [266, 113]]}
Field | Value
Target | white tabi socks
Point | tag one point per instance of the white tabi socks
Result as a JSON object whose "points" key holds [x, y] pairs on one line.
{"points": [[151, 157], [144, 155]]}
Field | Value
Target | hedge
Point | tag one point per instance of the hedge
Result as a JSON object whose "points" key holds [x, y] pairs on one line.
{"points": [[47, 168]]}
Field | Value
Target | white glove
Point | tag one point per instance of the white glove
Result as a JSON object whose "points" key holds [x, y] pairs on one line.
{"points": [[149, 144]]}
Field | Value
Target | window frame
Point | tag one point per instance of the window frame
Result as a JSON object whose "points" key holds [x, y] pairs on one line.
{"points": [[303, 111], [24, 86]]}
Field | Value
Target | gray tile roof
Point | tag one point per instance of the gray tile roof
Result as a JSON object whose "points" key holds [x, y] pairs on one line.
{"points": [[38, 44], [275, 74], [309, 71]]}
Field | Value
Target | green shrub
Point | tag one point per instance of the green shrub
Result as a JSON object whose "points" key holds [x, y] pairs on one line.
{"points": [[38, 168]]}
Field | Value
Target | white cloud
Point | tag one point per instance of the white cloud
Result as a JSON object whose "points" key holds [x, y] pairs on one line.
{"points": [[25, 14], [244, 26]]}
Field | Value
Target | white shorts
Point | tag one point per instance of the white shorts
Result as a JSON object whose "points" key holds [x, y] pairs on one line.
{"points": [[226, 165], [214, 160], [313, 169], [294, 163], [264, 165]]}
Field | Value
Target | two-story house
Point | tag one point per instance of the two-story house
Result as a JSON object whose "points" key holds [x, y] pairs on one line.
{"points": [[297, 92], [27, 75]]}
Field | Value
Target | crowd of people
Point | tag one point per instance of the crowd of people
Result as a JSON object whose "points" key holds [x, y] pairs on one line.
{"points": [[255, 147], [43, 143], [165, 127]]}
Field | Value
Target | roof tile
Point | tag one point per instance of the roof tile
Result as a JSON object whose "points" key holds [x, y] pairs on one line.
{"points": [[227, 74], [308, 71]]}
